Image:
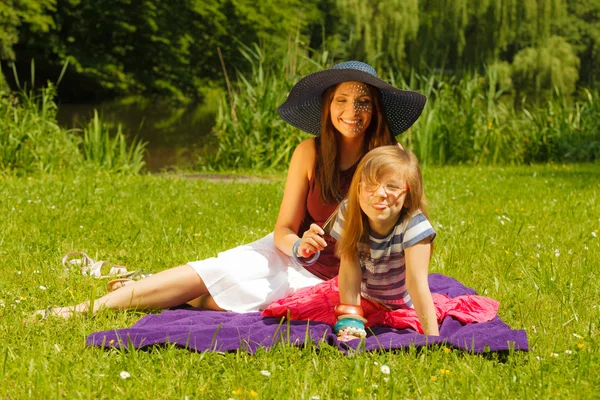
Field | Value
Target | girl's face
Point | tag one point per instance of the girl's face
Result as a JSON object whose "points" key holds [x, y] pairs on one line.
{"points": [[351, 109], [382, 201]]}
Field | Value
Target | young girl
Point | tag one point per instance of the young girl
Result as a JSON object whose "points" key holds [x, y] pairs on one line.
{"points": [[350, 111], [384, 241]]}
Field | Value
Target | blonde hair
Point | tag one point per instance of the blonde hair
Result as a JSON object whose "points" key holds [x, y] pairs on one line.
{"points": [[373, 166], [377, 134]]}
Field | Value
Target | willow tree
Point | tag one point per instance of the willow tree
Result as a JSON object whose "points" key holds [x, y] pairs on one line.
{"points": [[467, 34], [376, 31]]}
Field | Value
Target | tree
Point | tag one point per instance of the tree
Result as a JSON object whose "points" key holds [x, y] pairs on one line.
{"points": [[13, 14], [162, 47]]}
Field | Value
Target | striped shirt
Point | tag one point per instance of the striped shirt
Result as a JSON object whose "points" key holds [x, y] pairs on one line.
{"points": [[382, 260]]}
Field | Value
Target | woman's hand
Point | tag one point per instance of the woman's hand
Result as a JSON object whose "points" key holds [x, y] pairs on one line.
{"points": [[312, 241]]}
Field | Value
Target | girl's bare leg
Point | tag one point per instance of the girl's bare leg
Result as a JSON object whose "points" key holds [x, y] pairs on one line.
{"points": [[165, 289]]}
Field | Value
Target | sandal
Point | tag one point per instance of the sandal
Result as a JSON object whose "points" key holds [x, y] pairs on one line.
{"points": [[93, 268]]}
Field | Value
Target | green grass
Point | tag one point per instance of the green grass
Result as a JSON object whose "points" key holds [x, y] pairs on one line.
{"points": [[521, 235]]}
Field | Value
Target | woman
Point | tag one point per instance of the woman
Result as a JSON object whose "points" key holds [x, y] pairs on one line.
{"points": [[350, 111]]}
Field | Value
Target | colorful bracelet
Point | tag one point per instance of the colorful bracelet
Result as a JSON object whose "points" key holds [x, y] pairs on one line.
{"points": [[350, 326], [303, 262], [352, 316], [342, 309]]}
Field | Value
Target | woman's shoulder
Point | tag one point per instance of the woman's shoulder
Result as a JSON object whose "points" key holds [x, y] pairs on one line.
{"points": [[304, 158], [307, 148]]}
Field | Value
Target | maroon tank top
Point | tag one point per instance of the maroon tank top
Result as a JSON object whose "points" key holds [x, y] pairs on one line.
{"points": [[328, 264]]}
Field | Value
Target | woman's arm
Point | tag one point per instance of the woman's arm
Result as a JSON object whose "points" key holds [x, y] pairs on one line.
{"points": [[349, 279], [417, 271], [293, 204]]}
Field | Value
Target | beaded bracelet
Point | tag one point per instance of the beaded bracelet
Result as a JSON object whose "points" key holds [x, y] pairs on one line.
{"points": [[303, 262], [350, 326]]}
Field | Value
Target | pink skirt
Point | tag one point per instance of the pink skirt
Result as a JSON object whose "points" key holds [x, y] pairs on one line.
{"points": [[317, 303]]}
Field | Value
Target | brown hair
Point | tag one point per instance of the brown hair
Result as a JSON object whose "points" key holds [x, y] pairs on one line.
{"points": [[327, 170], [375, 164]]}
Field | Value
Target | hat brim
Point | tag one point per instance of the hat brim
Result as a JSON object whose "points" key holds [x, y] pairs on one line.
{"points": [[302, 108]]}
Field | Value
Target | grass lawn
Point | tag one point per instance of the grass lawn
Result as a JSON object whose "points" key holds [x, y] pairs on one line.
{"points": [[526, 236]]}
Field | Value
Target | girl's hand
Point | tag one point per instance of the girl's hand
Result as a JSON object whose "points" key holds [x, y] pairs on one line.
{"points": [[312, 241]]}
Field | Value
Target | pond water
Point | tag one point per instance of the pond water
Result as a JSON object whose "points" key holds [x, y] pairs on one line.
{"points": [[177, 135]]}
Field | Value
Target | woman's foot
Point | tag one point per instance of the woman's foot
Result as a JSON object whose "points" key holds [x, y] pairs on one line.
{"points": [[62, 312]]}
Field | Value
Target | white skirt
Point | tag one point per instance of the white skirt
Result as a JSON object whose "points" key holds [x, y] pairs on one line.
{"points": [[250, 277]]}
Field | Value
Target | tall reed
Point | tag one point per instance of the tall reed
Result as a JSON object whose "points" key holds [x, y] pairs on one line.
{"points": [[111, 153], [472, 120], [32, 141], [249, 132], [30, 138]]}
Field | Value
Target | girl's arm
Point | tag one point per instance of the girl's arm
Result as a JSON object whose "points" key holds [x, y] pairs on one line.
{"points": [[293, 204], [349, 279], [417, 272]]}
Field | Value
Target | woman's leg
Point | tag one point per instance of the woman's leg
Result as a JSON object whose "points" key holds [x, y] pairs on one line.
{"points": [[165, 289], [205, 302]]}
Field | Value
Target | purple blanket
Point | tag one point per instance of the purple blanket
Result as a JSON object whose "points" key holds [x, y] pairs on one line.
{"points": [[227, 331]]}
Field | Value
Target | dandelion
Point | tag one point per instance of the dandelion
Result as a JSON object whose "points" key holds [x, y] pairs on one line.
{"points": [[125, 375], [433, 378], [580, 346], [253, 393], [358, 390], [554, 355], [447, 350], [445, 371], [578, 336], [265, 372], [111, 341], [385, 369], [201, 390], [43, 287]]}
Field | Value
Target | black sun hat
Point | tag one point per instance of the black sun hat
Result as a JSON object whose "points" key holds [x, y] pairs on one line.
{"points": [[302, 108]]}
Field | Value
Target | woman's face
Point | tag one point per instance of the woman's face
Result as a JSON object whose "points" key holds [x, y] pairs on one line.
{"points": [[351, 109], [382, 201]]}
